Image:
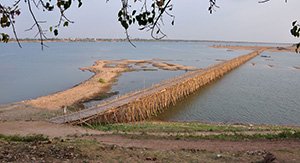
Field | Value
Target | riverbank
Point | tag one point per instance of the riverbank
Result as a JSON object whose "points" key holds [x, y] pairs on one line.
{"points": [[149, 141]]}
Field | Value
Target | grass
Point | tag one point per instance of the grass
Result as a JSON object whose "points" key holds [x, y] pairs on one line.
{"points": [[18, 138], [285, 135], [236, 137], [174, 127], [102, 81], [193, 130], [165, 127]]}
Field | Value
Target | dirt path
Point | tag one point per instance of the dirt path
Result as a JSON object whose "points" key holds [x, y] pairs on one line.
{"points": [[81, 144], [210, 145], [22, 112], [87, 145], [24, 128]]}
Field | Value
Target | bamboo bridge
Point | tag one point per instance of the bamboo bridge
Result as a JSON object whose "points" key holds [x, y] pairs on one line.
{"points": [[151, 101]]}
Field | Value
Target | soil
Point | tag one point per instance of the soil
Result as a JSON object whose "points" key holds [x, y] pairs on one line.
{"points": [[77, 144], [22, 112], [115, 148], [24, 128]]}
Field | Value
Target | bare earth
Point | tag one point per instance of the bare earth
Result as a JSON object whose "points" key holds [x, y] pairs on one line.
{"points": [[83, 91], [77, 144], [210, 145], [24, 128]]}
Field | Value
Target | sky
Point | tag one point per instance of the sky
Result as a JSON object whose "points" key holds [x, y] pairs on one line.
{"points": [[235, 20]]}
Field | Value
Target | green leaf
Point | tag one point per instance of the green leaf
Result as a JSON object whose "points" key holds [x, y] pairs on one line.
{"points": [[51, 8], [4, 21], [153, 5], [59, 3], [67, 4], [51, 28], [133, 12], [120, 13], [5, 37], [124, 24], [66, 24], [79, 3], [142, 28], [150, 20], [55, 32]]}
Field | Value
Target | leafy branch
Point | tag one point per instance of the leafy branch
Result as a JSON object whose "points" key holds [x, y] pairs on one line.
{"points": [[149, 17], [9, 13], [295, 31]]}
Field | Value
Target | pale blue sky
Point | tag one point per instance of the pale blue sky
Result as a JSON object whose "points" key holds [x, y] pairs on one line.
{"points": [[235, 20]]}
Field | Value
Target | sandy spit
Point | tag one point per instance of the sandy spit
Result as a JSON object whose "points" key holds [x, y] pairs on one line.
{"points": [[105, 72], [85, 90]]}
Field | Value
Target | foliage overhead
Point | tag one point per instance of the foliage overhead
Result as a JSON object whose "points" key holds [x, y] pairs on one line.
{"points": [[295, 31], [148, 15]]}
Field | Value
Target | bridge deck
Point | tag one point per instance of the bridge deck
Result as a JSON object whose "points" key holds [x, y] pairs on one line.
{"points": [[135, 96], [122, 100]]}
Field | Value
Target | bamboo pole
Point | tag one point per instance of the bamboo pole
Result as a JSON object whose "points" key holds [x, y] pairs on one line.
{"points": [[152, 104]]}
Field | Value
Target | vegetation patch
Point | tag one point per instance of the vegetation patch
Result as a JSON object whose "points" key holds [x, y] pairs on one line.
{"points": [[166, 127], [147, 69], [185, 127], [238, 136], [102, 96], [75, 107], [18, 138], [102, 81], [226, 136], [194, 130]]}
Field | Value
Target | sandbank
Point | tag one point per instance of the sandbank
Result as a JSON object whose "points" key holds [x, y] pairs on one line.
{"points": [[105, 73]]}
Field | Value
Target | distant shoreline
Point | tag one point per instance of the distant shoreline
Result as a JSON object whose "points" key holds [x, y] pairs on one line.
{"points": [[267, 48], [133, 40]]}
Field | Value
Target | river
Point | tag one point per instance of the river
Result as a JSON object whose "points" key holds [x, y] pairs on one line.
{"points": [[264, 90]]}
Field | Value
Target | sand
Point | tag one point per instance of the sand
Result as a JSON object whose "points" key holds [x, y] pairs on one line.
{"points": [[105, 73], [83, 91]]}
